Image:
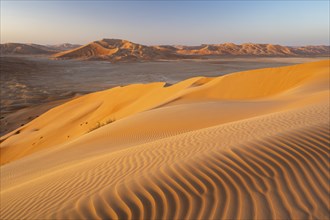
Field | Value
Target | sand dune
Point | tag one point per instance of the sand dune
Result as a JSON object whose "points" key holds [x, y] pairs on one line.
{"points": [[115, 50], [249, 49], [249, 145], [118, 50], [34, 49], [122, 50], [63, 47], [18, 48]]}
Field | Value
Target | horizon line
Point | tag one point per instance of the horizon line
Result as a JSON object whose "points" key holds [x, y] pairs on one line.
{"points": [[45, 44]]}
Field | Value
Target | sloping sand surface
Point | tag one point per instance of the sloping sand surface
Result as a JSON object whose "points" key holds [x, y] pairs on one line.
{"points": [[114, 50], [249, 145]]}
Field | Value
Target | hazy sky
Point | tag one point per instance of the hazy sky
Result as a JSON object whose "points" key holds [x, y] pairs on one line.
{"points": [[166, 22]]}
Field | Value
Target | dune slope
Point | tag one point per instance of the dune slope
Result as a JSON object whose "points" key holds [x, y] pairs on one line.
{"points": [[249, 145], [18, 48], [117, 50], [34, 49], [114, 50]]}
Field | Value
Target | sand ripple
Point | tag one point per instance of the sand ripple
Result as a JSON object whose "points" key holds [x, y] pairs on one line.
{"points": [[270, 165], [281, 172]]}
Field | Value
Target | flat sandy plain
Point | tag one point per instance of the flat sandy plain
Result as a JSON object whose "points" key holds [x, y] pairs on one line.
{"points": [[246, 145]]}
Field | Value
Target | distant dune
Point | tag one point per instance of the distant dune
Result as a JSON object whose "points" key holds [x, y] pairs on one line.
{"points": [[114, 50], [250, 49], [122, 50], [17, 48], [34, 49], [248, 145], [117, 50], [63, 47]]}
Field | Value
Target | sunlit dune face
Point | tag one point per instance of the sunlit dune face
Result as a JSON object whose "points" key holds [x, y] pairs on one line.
{"points": [[173, 152]]}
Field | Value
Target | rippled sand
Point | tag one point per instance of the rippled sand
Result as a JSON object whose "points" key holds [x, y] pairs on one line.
{"points": [[248, 145]]}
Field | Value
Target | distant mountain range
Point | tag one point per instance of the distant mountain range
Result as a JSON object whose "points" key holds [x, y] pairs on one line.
{"points": [[114, 50]]}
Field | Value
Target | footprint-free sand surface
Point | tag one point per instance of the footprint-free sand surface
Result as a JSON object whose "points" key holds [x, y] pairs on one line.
{"points": [[31, 85], [247, 145]]}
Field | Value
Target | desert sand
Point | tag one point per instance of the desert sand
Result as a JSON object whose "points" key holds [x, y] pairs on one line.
{"points": [[34, 49], [247, 145], [115, 50], [119, 50], [27, 87]]}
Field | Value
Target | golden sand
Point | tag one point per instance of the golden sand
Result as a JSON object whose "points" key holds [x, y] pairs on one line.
{"points": [[248, 145]]}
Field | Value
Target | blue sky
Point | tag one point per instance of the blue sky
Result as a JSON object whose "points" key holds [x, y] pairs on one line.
{"points": [[166, 22]]}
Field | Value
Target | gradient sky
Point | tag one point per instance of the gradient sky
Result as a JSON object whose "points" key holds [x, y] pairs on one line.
{"points": [[166, 22]]}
